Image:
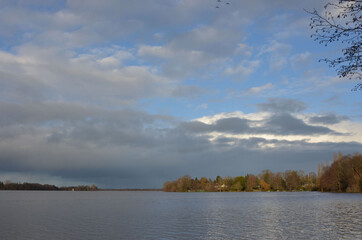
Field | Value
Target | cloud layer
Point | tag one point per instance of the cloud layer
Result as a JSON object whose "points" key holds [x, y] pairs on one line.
{"points": [[117, 147]]}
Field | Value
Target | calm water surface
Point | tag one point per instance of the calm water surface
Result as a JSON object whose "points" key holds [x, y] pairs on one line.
{"points": [[159, 215]]}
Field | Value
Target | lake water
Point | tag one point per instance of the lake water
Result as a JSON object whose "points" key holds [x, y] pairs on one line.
{"points": [[160, 215]]}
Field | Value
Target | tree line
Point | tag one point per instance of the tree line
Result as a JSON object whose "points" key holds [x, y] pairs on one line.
{"points": [[7, 185], [343, 175]]}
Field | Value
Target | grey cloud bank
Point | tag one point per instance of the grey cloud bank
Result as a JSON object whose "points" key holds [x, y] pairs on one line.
{"points": [[282, 105], [128, 148], [328, 119]]}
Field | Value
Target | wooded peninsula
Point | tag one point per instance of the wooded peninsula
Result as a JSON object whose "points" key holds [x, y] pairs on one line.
{"points": [[343, 175]]}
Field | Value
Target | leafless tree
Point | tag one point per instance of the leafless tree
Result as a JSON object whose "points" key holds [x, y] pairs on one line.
{"points": [[341, 22]]}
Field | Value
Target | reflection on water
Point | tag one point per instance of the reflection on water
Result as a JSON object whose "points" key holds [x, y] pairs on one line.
{"points": [[158, 215]]}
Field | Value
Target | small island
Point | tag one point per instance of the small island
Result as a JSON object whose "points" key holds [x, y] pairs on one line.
{"points": [[343, 175]]}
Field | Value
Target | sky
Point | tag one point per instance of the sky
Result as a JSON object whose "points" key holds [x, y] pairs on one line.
{"points": [[130, 94]]}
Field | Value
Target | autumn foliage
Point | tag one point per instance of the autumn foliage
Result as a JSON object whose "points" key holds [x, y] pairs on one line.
{"points": [[343, 175]]}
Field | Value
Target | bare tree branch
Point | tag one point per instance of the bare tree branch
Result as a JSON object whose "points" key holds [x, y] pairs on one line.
{"points": [[341, 22]]}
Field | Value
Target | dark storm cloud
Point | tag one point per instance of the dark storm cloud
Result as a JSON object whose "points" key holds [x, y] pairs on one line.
{"points": [[328, 119], [196, 127], [62, 122], [227, 125], [95, 154], [286, 124], [129, 148], [44, 112], [279, 105], [225, 141], [13, 114], [232, 125], [277, 124], [15, 84]]}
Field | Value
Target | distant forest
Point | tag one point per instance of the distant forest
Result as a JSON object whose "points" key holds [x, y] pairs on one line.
{"points": [[44, 187], [343, 175]]}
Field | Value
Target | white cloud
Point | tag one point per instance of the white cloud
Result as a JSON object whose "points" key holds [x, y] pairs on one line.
{"points": [[301, 59], [156, 51], [244, 69], [177, 63], [244, 50], [202, 106], [258, 90], [277, 53], [109, 62], [86, 78], [190, 51], [107, 57], [276, 48]]}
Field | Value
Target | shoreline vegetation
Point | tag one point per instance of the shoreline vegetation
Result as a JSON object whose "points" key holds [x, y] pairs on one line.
{"points": [[343, 175]]}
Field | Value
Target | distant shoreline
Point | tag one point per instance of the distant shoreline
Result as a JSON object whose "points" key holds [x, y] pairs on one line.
{"points": [[161, 190], [133, 190], [10, 186], [98, 190]]}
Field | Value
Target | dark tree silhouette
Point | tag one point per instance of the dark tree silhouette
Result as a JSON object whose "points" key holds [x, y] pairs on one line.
{"points": [[341, 22]]}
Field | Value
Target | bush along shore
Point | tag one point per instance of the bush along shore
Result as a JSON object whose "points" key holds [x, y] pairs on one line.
{"points": [[343, 175]]}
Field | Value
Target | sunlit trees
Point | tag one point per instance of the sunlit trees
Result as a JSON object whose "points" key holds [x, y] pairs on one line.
{"points": [[239, 184], [277, 182], [228, 182], [167, 187], [210, 187], [292, 180], [203, 183], [265, 175], [236, 187], [184, 184], [251, 182], [310, 183], [343, 175], [264, 185]]}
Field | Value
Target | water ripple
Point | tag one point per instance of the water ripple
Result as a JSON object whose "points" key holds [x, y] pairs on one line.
{"points": [[158, 215]]}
